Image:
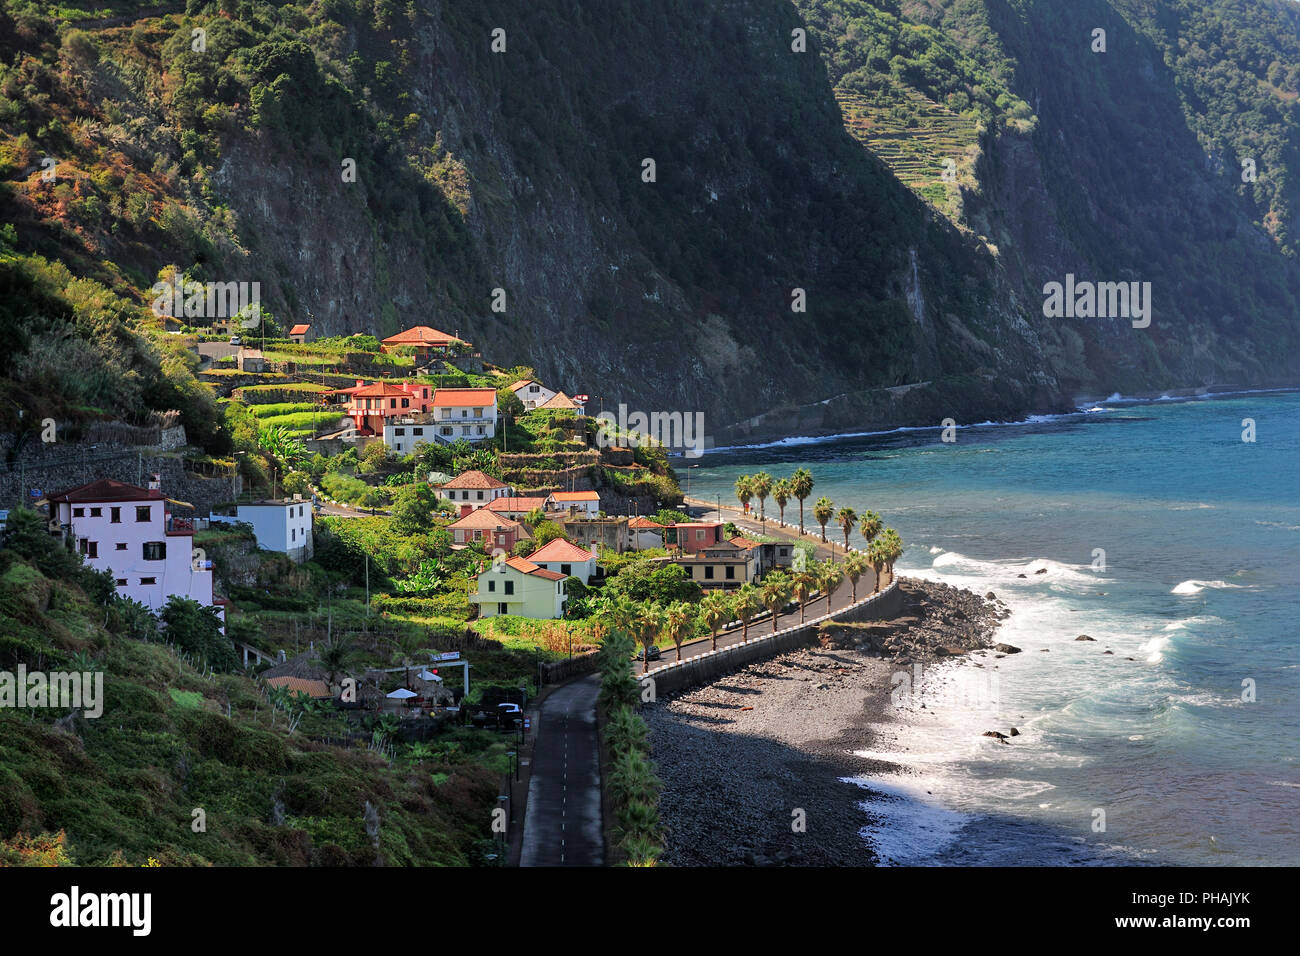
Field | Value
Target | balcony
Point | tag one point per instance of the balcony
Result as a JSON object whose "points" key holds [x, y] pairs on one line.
{"points": [[179, 526]]}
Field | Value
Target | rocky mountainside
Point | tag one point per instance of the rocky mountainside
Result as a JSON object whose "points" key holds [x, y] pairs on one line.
{"points": [[517, 176]]}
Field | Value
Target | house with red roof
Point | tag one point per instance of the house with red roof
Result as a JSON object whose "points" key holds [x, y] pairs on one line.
{"points": [[472, 490], [425, 341], [532, 394], [694, 535], [133, 533], [493, 531], [371, 406], [469, 413], [301, 334], [646, 533], [518, 586], [567, 559], [517, 507]]}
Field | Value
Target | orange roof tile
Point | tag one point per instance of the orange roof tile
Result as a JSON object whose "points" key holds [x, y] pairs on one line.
{"points": [[299, 329], [643, 524], [527, 567], [576, 496], [517, 503], [483, 519], [420, 335], [560, 550], [461, 397]]}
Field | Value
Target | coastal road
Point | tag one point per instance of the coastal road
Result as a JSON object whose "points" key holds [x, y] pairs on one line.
{"points": [[562, 825]]}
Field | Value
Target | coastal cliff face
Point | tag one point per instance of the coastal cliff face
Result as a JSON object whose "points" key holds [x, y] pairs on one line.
{"points": [[524, 170]]}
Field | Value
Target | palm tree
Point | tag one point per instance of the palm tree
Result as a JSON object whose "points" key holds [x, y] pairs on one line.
{"points": [[744, 490], [745, 604], [823, 511], [847, 519], [801, 486], [677, 624], [336, 657], [781, 494], [649, 623], [829, 576], [876, 557], [776, 592], [715, 611], [622, 615], [855, 565], [805, 582], [869, 526], [761, 485], [892, 546]]}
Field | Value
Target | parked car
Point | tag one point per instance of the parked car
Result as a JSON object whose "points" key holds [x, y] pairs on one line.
{"points": [[641, 655], [236, 340]]}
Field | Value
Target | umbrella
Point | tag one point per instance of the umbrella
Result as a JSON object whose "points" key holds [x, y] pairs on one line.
{"points": [[426, 675], [403, 694]]}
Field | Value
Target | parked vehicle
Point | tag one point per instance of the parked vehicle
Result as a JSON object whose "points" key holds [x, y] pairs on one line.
{"points": [[236, 340], [641, 655]]}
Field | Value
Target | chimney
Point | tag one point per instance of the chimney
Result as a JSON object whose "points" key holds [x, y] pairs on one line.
{"points": [[155, 482]]}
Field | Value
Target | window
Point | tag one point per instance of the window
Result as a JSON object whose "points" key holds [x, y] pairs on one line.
{"points": [[731, 573], [708, 572], [154, 550], [446, 413], [121, 582], [148, 580], [417, 431], [464, 429], [406, 403], [480, 496], [480, 430], [141, 513], [699, 535], [293, 534], [78, 512], [478, 413], [510, 587], [97, 512], [502, 608], [115, 515], [392, 403], [447, 431], [492, 585], [399, 431], [566, 569], [92, 549], [120, 546]]}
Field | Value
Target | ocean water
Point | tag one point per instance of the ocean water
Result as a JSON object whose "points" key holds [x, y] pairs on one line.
{"points": [[1181, 746]]}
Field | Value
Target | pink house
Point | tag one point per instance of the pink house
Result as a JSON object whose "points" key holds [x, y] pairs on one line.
{"points": [[370, 406], [131, 531], [696, 535]]}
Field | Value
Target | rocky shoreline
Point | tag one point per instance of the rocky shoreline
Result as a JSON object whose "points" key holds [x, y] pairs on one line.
{"points": [[753, 764]]}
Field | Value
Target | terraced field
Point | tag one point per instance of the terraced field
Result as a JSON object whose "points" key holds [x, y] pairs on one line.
{"points": [[917, 138]]}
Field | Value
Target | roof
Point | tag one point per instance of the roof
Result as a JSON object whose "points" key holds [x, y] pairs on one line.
{"points": [[527, 567], [306, 666], [576, 496], [420, 335], [106, 489], [483, 518], [459, 397], [746, 543], [299, 329], [644, 524], [560, 550], [697, 524], [518, 503], [300, 685], [559, 400], [525, 381], [379, 390], [475, 479]]}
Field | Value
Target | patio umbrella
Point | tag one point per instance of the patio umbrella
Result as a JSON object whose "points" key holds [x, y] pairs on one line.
{"points": [[403, 694]]}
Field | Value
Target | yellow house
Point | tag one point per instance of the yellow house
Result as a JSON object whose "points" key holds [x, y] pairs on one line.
{"points": [[517, 586]]}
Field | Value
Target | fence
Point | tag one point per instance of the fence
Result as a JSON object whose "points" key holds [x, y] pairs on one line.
{"points": [[555, 672]]}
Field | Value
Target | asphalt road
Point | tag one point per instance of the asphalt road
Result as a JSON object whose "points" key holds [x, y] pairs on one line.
{"points": [[562, 825]]}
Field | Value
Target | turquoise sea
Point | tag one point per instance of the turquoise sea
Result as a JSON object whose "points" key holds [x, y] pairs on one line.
{"points": [[1181, 746]]}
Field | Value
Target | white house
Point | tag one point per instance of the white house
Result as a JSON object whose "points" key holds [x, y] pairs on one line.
{"points": [[583, 502], [532, 394], [130, 531], [473, 490], [469, 413], [403, 435], [566, 559], [284, 526], [517, 586]]}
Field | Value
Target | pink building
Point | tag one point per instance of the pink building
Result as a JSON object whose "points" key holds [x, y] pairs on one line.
{"points": [[697, 535], [130, 531], [371, 406]]}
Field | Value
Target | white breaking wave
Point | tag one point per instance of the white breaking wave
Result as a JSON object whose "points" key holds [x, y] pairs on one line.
{"points": [[912, 826], [1196, 587]]}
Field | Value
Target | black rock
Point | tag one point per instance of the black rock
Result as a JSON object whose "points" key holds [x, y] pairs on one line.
{"points": [[1041, 571], [995, 735], [990, 596], [1020, 575], [1006, 648], [1084, 637], [1014, 732]]}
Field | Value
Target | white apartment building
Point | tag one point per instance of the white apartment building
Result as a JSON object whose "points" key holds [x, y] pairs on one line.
{"points": [[284, 525]]}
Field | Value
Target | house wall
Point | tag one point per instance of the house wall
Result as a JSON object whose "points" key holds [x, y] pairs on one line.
{"points": [[585, 570], [285, 528], [691, 538], [533, 596]]}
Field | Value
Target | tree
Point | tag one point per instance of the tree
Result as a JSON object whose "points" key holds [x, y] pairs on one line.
{"points": [[761, 485], [678, 621], [781, 494], [715, 611], [876, 558], [548, 531], [776, 593], [823, 511], [647, 626], [801, 486], [197, 630], [413, 509], [744, 490], [855, 565], [847, 519], [745, 603], [337, 657], [829, 576], [805, 582], [869, 526], [891, 549]]}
